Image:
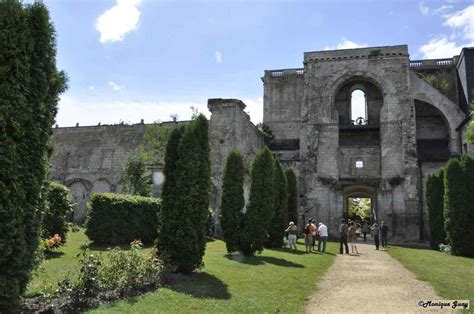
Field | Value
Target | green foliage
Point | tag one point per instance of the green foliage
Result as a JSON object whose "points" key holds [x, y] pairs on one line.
{"points": [[186, 197], [135, 178], [442, 84], [126, 272], [118, 219], [435, 207], [292, 206], [83, 290], [360, 207], [233, 201], [264, 130], [467, 164], [155, 139], [57, 211], [29, 89], [279, 219], [470, 133], [260, 206], [456, 204]]}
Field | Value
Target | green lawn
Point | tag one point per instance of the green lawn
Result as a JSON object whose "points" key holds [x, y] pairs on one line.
{"points": [[60, 263], [274, 281], [452, 277]]}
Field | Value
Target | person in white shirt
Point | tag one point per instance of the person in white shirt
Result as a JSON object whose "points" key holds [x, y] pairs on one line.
{"points": [[323, 236]]}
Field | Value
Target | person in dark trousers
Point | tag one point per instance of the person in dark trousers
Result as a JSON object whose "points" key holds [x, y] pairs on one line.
{"points": [[375, 231], [365, 230], [343, 236], [384, 233]]}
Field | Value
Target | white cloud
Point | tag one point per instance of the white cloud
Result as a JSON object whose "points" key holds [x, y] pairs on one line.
{"points": [[440, 47], [91, 112], [254, 109], [116, 87], [122, 18], [461, 24], [423, 9], [218, 56], [92, 87], [463, 21], [442, 9], [74, 110], [346, 44]]}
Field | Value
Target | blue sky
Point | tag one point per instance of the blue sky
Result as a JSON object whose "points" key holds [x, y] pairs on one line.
{"points": [[129, 59]]}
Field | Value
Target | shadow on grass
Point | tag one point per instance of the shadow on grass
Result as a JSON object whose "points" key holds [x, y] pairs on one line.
{"points": [[201, 285], [260, 260], [51, 255]]}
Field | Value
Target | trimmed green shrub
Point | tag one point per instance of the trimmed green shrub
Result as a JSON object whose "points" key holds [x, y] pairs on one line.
{"points": [[57, 211], [259, 209], [467, 164], [292, 206], [233, 200], [456, 203], [435, 206], [278, 222], [170, 218], [119, 219], [185, 196], [29, 89]]}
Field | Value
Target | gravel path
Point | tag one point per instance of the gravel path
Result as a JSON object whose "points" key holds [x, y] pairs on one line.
{"points": [[370, 282]]}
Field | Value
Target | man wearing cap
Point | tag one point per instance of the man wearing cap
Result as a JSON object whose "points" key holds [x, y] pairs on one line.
{"points": [[323, 236]]}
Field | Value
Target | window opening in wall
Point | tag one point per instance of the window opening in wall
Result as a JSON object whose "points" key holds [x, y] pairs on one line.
{"points": [[359, 164], [358, 107]]}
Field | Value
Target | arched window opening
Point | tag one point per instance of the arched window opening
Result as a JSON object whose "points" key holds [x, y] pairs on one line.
{"points": [[358, 108]]}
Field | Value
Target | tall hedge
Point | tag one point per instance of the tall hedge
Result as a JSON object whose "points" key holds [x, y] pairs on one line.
{"points": [[467, 164], [188, 198], [456, 202], [170, 219], [261, 200], [233, 200], [435, 207], [292, 206], [119, 219], [57, 211], [279, 219], [29, 88]]}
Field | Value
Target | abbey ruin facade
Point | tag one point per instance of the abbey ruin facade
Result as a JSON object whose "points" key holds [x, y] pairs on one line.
{"points": [[413, 118]]}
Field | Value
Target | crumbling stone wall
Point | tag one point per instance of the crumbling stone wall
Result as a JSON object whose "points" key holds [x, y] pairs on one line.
{"points": [[230, 128]]}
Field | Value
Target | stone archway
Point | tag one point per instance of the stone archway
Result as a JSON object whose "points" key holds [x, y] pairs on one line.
{"points": [[360, 191]]}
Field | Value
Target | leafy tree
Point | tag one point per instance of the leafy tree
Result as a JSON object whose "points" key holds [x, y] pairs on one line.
{"points": [[292, 206], [455, 206], [155, 138], [233, 200], [135, 178], [57, 211], [435, 205], [30, 86], [279, 219], [260, 206], [360, 207]]}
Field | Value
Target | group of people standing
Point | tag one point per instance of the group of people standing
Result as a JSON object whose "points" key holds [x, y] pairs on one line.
{"points": [[311, 234], [347, 231], [348, 234]]}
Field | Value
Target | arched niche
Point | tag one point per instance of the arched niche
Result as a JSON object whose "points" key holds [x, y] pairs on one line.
{"points": [[363, 132], [432, 133]]}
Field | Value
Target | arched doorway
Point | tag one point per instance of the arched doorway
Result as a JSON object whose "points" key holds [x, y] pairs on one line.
{"points": [[360, 203]]}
